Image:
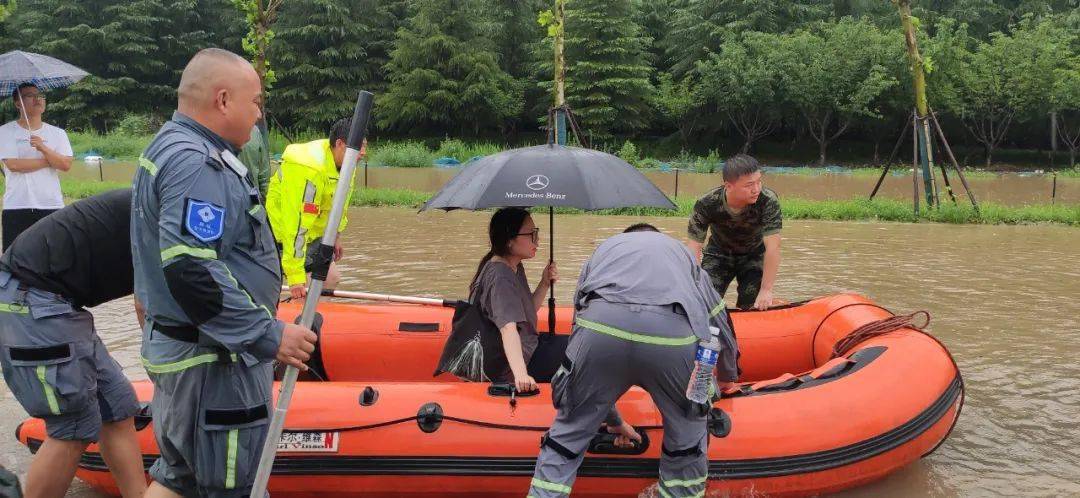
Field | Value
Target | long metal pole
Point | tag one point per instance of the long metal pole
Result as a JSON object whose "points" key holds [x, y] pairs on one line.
{"points": [[361, 114]]}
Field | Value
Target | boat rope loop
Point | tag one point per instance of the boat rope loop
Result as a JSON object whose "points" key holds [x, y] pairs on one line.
{"points": [[879, 327], [478, 423]]}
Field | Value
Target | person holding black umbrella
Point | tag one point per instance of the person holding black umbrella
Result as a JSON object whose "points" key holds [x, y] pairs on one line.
{"points": [[502, 291]]}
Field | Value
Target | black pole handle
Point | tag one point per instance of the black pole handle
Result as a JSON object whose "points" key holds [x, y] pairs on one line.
{"points": [[551, 259], [361, 116]]}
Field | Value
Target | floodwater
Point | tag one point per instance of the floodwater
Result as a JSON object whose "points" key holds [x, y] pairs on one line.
{"points": [[1008, 189], [1005, 299]]}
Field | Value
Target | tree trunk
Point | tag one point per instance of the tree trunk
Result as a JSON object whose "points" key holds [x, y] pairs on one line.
{"points": [[822, 146], [918, 73], [877, 157], [1072, 157], [989, 155], [1053, 132], [746, 145]]}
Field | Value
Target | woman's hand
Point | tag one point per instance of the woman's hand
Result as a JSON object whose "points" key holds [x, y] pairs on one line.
{"points": [[524, 383], [551, 273]]}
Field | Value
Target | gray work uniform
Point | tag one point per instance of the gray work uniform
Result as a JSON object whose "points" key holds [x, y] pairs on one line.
{"points": [[642, 306], [56, 366], [53, 360], [207, 271]]}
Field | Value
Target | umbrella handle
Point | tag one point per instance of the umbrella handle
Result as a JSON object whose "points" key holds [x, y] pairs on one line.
{"points": [[26, 118], [551, 259]]}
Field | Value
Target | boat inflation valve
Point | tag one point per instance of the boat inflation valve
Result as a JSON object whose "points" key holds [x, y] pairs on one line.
{"points": [[369, 396], [430, 417], [719, 423]]}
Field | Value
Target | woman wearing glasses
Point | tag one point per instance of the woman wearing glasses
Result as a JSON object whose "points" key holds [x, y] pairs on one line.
{"points": [[502, 291]]}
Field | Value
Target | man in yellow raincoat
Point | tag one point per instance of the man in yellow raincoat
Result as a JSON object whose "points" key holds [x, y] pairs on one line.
{"points": [[299, 200]]}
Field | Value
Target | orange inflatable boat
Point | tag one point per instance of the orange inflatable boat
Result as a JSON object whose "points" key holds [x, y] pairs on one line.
{"points": [[802, 422]]}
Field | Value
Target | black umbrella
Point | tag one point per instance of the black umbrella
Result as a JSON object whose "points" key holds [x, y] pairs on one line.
{"points": [[549, 175]]}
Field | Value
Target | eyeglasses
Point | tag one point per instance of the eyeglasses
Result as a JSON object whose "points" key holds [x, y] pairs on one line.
{"points": [[34, 96], [534, 234]]}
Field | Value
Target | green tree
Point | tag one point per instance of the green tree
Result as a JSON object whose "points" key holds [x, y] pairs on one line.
{"points": [[833, 74], [7, 9], [743, 81], [654, 18], [444, 72], [1010, 77], [260, 16], [1065, 101], [325, 51], [519, 44], [608, 74], [678, 104], [699, 27], [984, 17], [133, 50]]}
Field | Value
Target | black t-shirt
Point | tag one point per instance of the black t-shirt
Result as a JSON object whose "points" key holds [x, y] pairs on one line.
{"points": [[82, 252]]}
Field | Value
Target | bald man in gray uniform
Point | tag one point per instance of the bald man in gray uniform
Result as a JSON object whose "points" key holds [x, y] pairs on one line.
{"points": [[642, 304], [207, 271]]}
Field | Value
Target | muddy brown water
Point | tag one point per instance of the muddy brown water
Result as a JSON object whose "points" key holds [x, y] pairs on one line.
{"points": [[1008, 189], [1005, 299]]}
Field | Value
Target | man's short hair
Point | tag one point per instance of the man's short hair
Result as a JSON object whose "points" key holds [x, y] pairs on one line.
{"points": [[739, 166], [640, 227], [15, 93], [340, 130]]}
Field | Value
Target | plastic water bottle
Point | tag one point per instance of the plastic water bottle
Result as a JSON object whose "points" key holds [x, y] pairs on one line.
{"points": [[700, 380]]}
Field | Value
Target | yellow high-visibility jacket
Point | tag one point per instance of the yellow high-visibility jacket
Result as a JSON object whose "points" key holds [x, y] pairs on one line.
{"points": [[299, 200]]}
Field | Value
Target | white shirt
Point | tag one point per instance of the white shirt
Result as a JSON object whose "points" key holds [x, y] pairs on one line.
{"points": [[37, 189]]}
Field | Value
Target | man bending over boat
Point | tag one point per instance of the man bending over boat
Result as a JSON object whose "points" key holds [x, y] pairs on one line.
{"points": [[743, 220], [53, 360], [298, 203], [642, 304]]}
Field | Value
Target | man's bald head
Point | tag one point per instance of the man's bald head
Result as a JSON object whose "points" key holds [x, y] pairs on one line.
{"points": [[210, 70], [221, 91]]}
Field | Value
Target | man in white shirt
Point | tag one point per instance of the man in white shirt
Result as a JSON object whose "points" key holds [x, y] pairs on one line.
{"points": [[32, 153]]}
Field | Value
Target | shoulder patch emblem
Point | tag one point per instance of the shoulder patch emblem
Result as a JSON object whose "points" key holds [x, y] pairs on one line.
{"points": [[204, 220]]}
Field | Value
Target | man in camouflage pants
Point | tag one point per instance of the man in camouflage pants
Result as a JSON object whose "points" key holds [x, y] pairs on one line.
{"points": [[743, 221]]}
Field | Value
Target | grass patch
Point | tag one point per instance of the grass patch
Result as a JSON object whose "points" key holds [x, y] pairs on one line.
{"points": [[81, 189], [400, 154], [463, 152], [77, 189], [379, 197], [112, 146]]}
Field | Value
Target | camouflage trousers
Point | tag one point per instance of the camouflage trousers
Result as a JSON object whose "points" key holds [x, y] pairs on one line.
{"points": [[746, 268]]}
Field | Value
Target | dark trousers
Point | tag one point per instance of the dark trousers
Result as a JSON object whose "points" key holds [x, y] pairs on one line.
{"points": [[15, 221], [746, 268]]}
